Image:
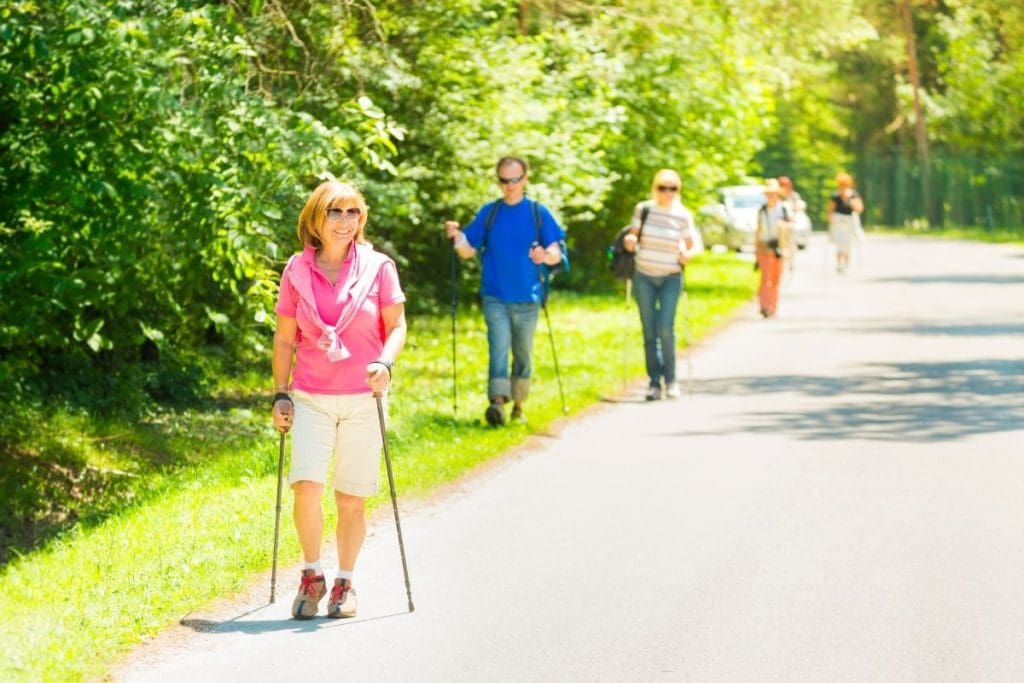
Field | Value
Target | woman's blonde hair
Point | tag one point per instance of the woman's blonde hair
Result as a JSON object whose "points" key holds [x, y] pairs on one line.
{"points": [[844, 180], [666, 175], [329, 195]]}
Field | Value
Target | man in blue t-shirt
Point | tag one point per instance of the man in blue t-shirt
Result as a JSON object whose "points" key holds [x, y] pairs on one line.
{"points": [[513, 246]]}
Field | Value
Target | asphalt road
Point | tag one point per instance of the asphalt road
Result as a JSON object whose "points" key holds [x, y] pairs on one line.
{"points": [[841, 497]]}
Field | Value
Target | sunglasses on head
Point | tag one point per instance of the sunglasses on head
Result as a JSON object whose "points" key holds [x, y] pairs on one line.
{"points": [[352, 213], [509, 181], [668, 188]]}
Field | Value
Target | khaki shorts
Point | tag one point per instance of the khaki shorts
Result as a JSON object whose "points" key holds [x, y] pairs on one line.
{"points": [[344, 428]]}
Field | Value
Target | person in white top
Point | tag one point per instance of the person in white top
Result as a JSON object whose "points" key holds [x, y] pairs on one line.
{"points": [[663, 237]]}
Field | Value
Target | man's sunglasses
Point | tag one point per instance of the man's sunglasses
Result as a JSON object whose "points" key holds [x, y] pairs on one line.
{"points": [[510, 181], [668, 188], [352, 213]]}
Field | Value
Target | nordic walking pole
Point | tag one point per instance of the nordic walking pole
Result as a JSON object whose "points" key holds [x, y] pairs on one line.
{"points": [[551, 336], [277, 518], [687, 339], [558, 374], [394, 496], [625, 346], [455, 372]]}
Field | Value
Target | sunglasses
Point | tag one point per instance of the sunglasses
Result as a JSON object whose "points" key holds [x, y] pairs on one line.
{"points": [[352, 213], [510, 181], [668, 188]]}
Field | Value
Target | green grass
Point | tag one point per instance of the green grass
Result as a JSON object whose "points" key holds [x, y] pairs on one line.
{"points": [[200, 525]]}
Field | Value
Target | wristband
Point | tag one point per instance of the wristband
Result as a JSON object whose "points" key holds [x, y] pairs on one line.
{"points": [[281, 396], [460, 241]]}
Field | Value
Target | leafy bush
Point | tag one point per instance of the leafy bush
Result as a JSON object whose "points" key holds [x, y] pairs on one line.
{"points": [[149, 191]]}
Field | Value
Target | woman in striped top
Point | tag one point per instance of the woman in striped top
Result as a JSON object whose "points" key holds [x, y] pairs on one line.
{"points": [[663, 237]]}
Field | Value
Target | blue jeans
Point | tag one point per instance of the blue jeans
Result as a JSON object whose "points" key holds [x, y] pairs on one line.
{"points": [[510, 326], [656, 297]]}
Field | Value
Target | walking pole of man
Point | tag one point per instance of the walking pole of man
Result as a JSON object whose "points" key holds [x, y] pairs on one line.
{"points": [[551, 335], [394, 495], [455, 372]]}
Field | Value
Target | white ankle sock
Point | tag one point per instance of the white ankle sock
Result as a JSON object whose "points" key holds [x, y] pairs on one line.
{"points": [[315, 566], [342, 574]]}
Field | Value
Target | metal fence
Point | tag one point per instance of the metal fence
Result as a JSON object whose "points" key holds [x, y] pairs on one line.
{"points": [[964, 191]]}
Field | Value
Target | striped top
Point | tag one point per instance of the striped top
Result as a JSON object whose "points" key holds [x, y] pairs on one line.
{"points": [[657, 253]]}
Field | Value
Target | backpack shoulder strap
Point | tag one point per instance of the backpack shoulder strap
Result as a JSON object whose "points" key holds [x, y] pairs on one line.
{"points": [[492, 215], [644, 213], [535, 211]]}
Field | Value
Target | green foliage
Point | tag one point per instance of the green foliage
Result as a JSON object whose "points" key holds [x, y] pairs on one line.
{"points": [[148, 190], [979, 105]]}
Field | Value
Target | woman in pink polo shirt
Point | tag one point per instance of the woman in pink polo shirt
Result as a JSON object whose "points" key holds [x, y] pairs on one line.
{"points": [[340, 326]]}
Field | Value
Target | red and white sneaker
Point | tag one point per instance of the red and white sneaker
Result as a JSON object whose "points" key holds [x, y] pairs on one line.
{"points": [[311, 591], [343, 600]]}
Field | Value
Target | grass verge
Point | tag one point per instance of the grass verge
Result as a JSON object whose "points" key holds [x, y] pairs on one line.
{"points": [[202, 528]]}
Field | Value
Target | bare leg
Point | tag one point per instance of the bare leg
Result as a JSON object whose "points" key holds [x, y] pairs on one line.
{"points": [[843, 262], [351, 528], [309, 517]]}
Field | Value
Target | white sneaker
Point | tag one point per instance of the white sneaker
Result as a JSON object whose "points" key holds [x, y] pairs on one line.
{"points": [[672, 390], [343, 600]]}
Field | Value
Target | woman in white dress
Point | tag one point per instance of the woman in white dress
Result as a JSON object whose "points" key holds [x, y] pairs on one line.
{"points": [[844, 209]]}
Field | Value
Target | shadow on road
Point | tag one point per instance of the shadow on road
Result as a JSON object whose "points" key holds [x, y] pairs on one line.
{"points": [[956, 279], [960, 330], [862, 326], [916, 402], [240, 625]]}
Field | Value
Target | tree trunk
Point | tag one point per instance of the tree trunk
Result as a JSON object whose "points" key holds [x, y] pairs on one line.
{"points": [[907, 12]]}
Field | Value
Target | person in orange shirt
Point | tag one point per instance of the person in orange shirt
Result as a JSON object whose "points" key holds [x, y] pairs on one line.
{"points": [[774, 223]]}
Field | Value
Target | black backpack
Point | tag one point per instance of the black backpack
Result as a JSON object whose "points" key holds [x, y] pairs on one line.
{"points": [[622, 263]]}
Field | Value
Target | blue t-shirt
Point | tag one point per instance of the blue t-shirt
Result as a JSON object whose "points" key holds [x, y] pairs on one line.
{"points": [[508, 273]]}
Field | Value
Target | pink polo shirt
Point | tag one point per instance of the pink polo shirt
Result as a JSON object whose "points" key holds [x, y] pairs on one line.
{"points": [[364, 336]]}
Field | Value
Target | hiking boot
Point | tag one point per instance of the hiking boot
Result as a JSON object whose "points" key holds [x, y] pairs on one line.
{"points": [[518, 415], [343, 600], [653, 393], [672, 390], [311, 590], [495, 414]]}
